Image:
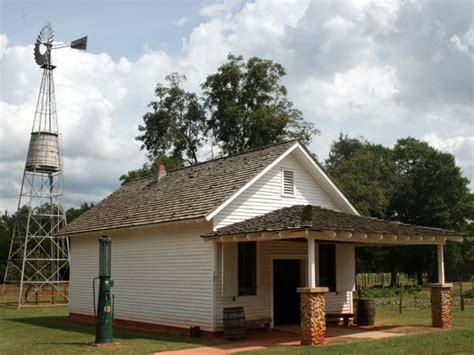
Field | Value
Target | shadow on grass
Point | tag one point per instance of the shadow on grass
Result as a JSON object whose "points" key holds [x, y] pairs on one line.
{"points": [[64, 324]]}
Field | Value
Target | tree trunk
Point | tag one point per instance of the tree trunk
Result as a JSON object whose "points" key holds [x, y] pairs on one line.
{"points": [[419, 276], [393, 278]]}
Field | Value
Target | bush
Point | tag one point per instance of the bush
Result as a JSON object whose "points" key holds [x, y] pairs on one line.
{"points": [[469, 293], [389, 292]]}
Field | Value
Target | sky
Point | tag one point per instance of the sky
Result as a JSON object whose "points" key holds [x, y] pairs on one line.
{"points": [[382, 70]]}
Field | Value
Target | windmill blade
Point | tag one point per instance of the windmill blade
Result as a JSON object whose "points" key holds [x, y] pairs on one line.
{"points": [[39, 58], [43, 45]]}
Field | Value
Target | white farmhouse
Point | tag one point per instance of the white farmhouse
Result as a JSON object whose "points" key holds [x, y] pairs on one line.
{"points": [[246, 230]]}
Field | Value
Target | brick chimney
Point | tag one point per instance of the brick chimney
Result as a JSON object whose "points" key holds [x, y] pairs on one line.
{"points": [[159, 172]]}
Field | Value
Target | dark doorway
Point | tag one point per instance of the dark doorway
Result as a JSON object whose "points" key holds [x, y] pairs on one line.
{"points": [[286, 301]]}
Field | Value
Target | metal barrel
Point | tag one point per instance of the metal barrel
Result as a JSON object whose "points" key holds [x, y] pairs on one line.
{"points": [[234, 323], [365, 312], [43, 153]]}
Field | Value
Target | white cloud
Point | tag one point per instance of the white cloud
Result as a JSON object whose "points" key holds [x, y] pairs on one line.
{"points": [[381, 69], [365, 92], [181, 21], [3, 44], [465, 43]]}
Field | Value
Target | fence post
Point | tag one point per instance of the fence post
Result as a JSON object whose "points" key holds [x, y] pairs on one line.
{"points": [[462, 296], [401, 299]]}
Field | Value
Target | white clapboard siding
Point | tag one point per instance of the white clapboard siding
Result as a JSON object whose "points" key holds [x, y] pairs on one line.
{"points": [[345, 267], [339, 302], [162, 275], [261, 305], [265, 195]]}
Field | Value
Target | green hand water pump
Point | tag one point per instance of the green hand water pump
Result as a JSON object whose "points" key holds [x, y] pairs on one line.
{"points": [[105, 303]]}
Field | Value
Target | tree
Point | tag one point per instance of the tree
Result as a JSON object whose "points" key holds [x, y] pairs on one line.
{"points": [[7, 223], [6, 227], [366, 173], [243, 106], [149, 168], [411, 183], [249, 107], [430, 191], [72, 213], [175, 127]]}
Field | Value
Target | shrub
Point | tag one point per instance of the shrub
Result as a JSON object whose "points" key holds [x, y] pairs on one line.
{"points": [[469, 293], [389, 292]]}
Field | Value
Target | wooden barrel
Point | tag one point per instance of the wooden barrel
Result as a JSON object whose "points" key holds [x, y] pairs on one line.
{"points": [[234, 323], [365, 312]]}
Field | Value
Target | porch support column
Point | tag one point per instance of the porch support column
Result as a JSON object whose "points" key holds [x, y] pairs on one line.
{"points": [[440, 264], [441, 305], [313, 314], [311, 263]]}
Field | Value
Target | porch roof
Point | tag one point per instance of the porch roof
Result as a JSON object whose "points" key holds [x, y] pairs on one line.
{"points": [[305, 220]]}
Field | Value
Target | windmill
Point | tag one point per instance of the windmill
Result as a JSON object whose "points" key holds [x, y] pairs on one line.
{"points": [[38, 261]]}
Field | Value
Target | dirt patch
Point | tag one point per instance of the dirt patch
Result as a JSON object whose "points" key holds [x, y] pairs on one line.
{"points": [[411, 329]]}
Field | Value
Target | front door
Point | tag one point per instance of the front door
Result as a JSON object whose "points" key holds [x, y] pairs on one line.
{"points": [[286, 301]]}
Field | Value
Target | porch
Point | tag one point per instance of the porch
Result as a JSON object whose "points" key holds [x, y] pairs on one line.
{"points": [[292, 251]]}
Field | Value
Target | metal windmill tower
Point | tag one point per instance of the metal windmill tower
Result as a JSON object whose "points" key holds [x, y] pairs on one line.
{"points": [[38, 261]]}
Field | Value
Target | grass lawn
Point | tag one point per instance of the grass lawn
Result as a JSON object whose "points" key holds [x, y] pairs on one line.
{"points": [[458, 340], [46, 330]]}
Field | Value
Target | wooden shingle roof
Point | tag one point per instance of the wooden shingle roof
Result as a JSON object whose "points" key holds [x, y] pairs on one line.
{"points": [[187, 193], [315, 218]]}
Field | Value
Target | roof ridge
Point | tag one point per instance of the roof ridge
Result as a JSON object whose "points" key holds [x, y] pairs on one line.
{"points": [[220, 158], [237, 154]]}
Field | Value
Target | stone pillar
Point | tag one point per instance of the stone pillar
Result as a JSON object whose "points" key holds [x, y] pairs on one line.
{"points": [[441, 305], [313, 315]]}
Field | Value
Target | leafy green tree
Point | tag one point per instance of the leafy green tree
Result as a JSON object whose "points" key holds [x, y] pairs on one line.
{"points": [[430, 191], [72, 213], [7, 224], [243, 106], [366, 173], [5, 238], [249, 107], [175, 127], [136, 174], [411, 183], [149, 168]]}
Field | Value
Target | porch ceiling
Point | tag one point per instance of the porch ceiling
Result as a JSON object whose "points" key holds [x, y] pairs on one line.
{"points": [[322, 224]]}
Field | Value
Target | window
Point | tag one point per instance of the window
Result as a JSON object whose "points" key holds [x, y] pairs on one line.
{"points": [[327, 266], [247, 272], [288, 185]]}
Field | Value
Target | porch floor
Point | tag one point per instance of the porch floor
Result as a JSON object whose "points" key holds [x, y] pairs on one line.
{"points": [[289, 336]]}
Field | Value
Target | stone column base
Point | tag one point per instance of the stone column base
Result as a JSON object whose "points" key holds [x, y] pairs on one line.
{"points": [[313, 315], [441, 305]]}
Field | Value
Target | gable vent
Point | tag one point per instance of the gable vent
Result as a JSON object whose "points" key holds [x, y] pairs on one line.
{"points": [[288, 183]]}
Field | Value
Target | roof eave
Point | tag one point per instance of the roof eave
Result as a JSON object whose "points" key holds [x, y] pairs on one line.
{"points": [[135, 226], [336, 235]]}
